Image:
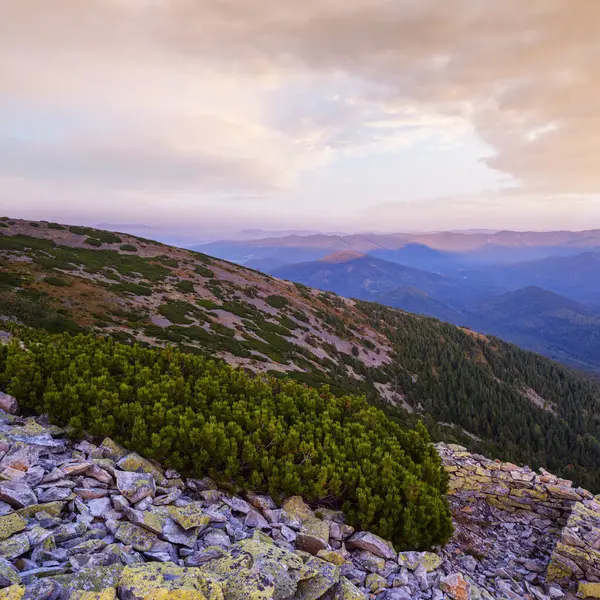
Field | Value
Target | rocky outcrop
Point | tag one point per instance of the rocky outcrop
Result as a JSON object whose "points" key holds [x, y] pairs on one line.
{"points": [[522, 526]]}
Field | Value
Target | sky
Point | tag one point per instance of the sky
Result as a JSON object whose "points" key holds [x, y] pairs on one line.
{"points": [[345, 115]]}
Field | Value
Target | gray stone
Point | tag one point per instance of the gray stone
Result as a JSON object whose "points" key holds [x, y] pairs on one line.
{"points": [[135, 486], [363, 540], [8, 404], [17, 493]]}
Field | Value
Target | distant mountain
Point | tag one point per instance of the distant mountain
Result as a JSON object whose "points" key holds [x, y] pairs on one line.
{"points": [[419, 302], [447, 252], [545, 322], [369, 278], [576, 277]]}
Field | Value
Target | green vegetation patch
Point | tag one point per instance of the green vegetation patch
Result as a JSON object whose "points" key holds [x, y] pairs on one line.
{"points": [[128, 248], [57, 281], [186, 286], [56, 226], [277, 436], [132, 288], [202, 270], [277, 301], [93, 242], [8, 279]]}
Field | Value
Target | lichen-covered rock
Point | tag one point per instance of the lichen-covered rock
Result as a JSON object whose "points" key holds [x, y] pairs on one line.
{"points": [[589, 590], [8, 574], [107, 594], [134, 462], [110, 449], [135, 486], [97, 579], [50, 508], [313, 536], [137, 537], [296, 507], [455, 586], [259, 570], [14, 592], [365, 540], [10, 524], [15, 546], [345, 590], [189, 516], [413, 560], [167, 581], [325, 576]]}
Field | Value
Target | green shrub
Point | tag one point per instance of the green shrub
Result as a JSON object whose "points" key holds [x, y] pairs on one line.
{"points": [[128, 248], [276, 301], [206, 303], [202, 417], [176, 311], [34, 224], [132, 288], [3, 225], [201, 270], [93, 242], [57, 281], [55, 226], [10, 279], [186, 286]]}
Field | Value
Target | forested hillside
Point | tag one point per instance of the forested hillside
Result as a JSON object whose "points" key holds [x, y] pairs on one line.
{"points": [[480, 391]]}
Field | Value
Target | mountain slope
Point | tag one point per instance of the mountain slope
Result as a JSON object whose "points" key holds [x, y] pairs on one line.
{"points": [[576, 277], [544, 322], [75, 278], [371, 278]]}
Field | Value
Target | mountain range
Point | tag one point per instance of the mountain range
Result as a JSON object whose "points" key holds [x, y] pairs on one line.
{"points": [[466, 387]]}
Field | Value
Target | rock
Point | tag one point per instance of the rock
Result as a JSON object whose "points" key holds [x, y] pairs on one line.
{"points": [[96, 580], [313, 536], [52, 509], [375, 583], [137, 537], [8, 574], [190, 516], [11, 523], [135, 463], [17, 545], [455, 586], [167, 580], [237, 504], [135, 486], [255, 520], [412, 560], [8, 404], [369, 561], [260, 501], [254, 570], [99, 506], [145, 519], [110, 449], [17, 493], [345, 590], [296, 507], [326, 575], [174, 533], [218, 538], [14, 592], [364, 540], [106, 594], [589, 590]]}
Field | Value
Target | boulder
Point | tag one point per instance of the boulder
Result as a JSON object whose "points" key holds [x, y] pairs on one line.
{"points": [[11, 523], [313, 536], [164, 581], [17, 493], [135, 486], [8, 404], [296, 507], [363, 540]]}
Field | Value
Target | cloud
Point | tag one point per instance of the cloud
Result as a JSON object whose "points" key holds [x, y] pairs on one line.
{"points": [[245, 96]]}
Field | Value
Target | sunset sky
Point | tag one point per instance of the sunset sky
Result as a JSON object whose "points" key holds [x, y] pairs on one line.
{"points": [[352, 115]]}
